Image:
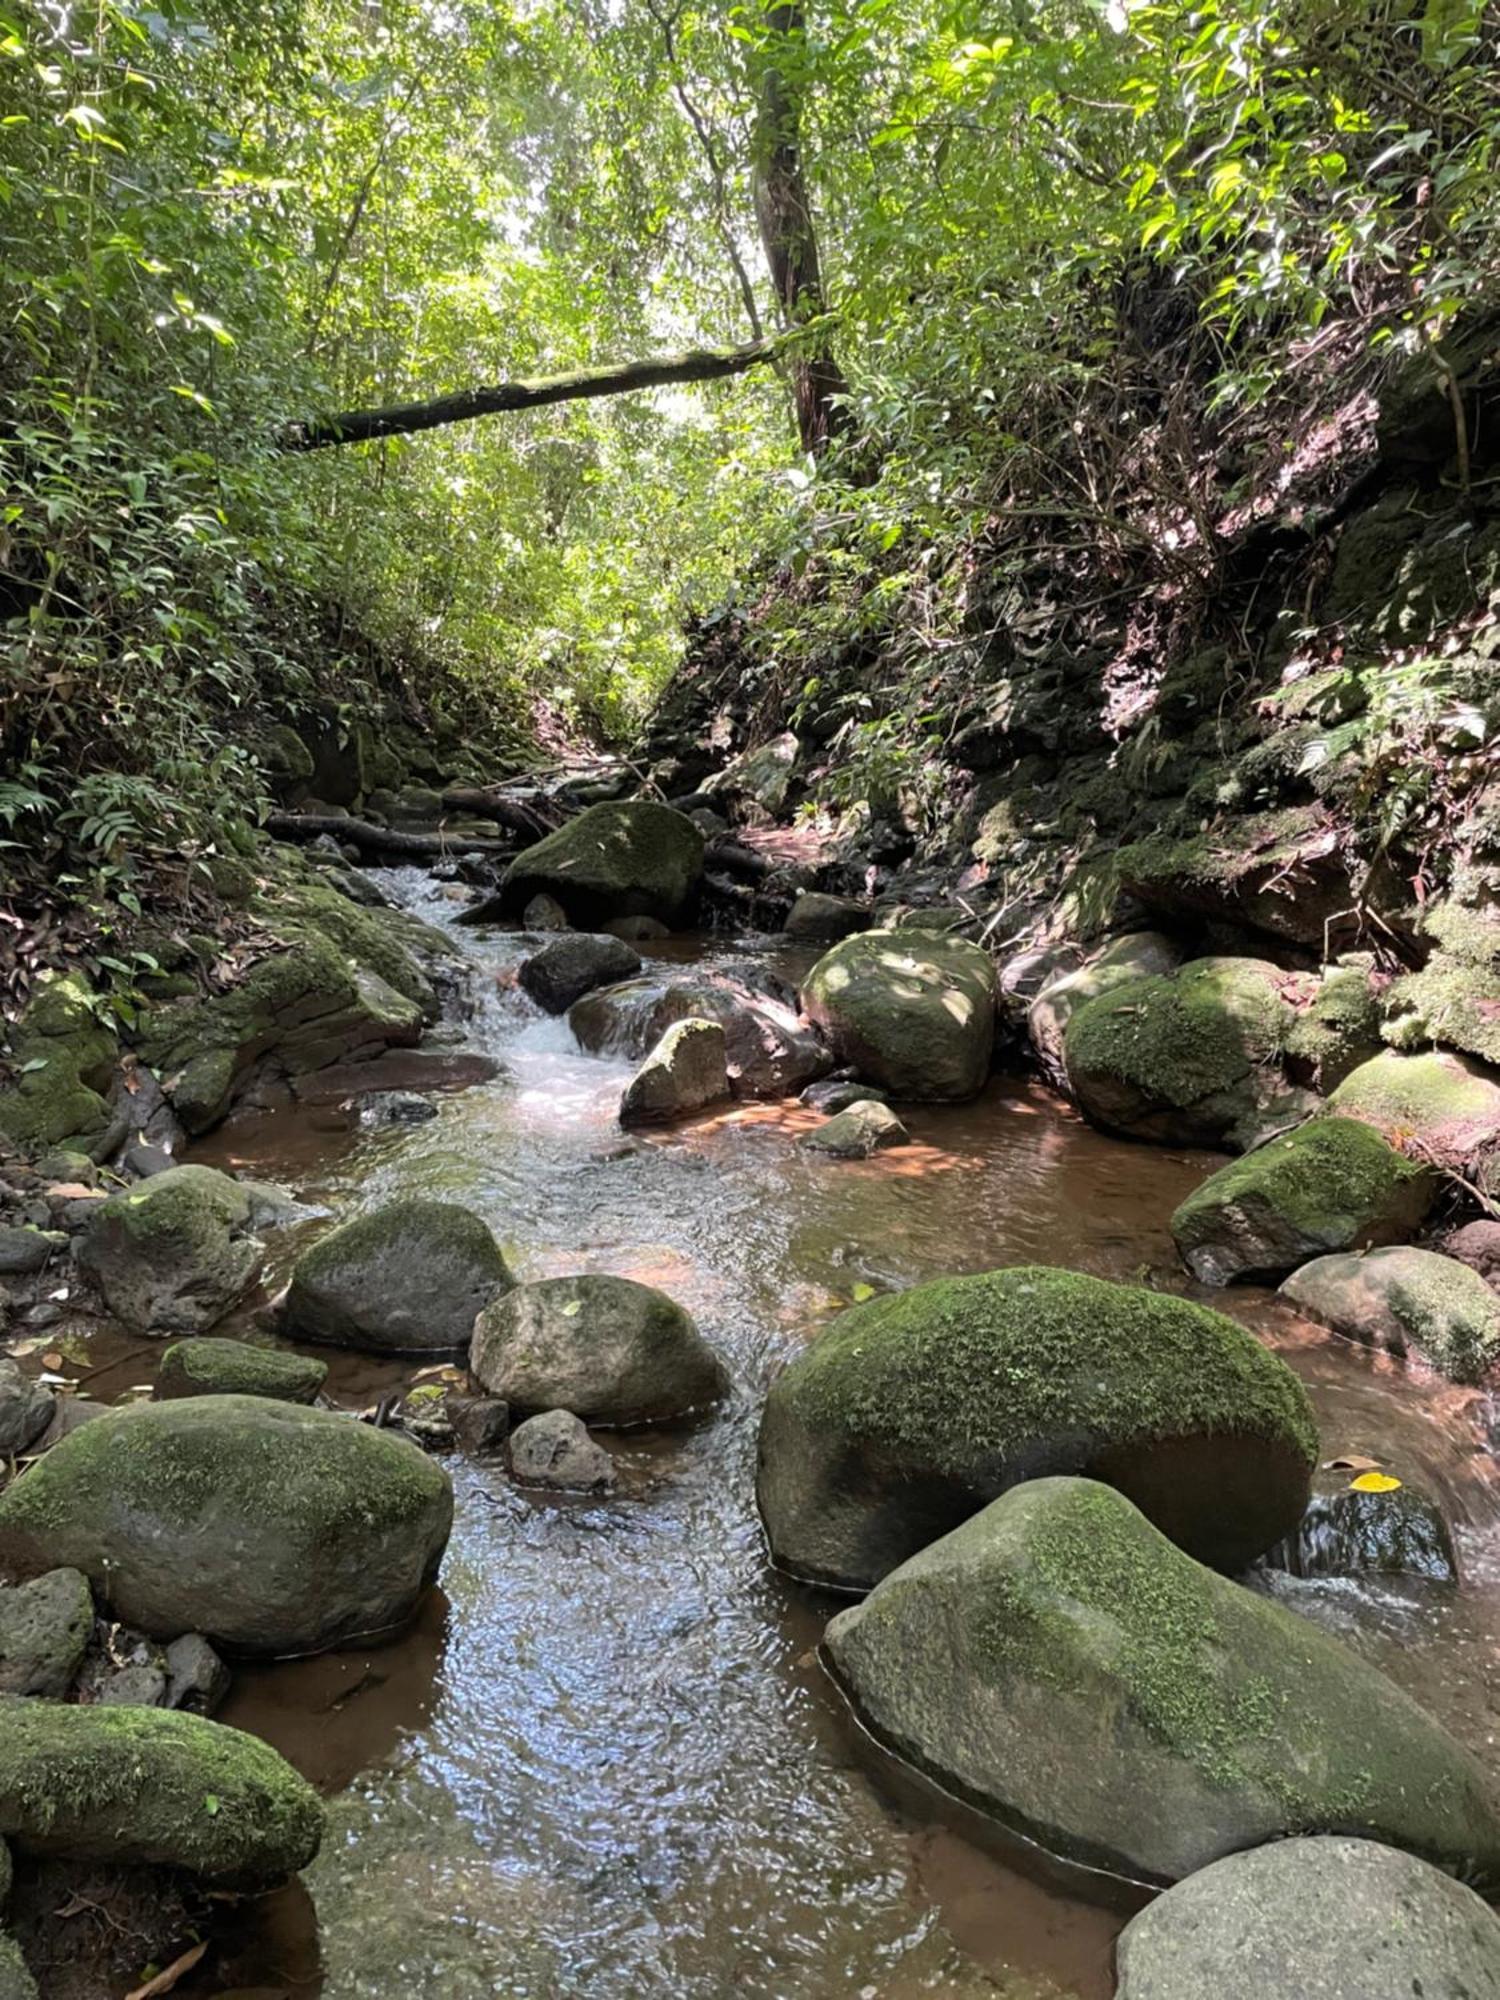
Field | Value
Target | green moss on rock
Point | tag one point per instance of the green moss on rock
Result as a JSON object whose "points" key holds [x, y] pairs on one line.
{"points": [[913, 1410], [1446, 1105], [913, 1011], [630, 858], [408, 1278], [267, 1526], [1331, 1184], [1060, 1663], [131, 1785], [236, 1368], [1449, 1002], [171, 1254], [60, 1059], [1338, 1032], [1404, 1299], [16, 1982]]}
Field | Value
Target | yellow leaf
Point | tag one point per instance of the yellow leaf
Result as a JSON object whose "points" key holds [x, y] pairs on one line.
{"points": [[1374, 1482]]}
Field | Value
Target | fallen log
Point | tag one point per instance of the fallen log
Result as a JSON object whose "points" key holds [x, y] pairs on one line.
{"points": [[530, 820], [383, 839]]}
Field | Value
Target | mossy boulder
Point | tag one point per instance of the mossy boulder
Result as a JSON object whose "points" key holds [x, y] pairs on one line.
{"points": [[408, 1278], [1404, 1300], [1061, 1665], [267, 1527], [1192, 1058], [142, 1787], [1280, 872], [914, 1410], [1448, 1002], [1315, 1919], [1446, 1106], [174, 1253], [686, 1071], [1333, 1184], [60, 1061], [16, 1982], [1144, 955], [912, 1011], [236, 1368], [610, 1350], [1336, 1031], [629, 858], [861, 1129]]}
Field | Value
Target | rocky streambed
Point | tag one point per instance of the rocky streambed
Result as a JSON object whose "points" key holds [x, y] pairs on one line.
{"points": [[604, 1754]]}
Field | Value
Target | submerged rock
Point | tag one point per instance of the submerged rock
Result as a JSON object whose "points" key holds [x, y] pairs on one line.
{"points": [[630, 858], [685, 1072], [1330, 1185], [1402, 1300], [45, 1627], [1188, 1059], [555, 1450], [236, 1368], [1060, 1664], [26, 1409], [1328, 1918], [267, 1527], [854, 1134], [912, 1411], [141, 1786], [913, 1011], [1349, 1532], [571, 966], [608, 1349], [174, 1253], [408, 1278]]}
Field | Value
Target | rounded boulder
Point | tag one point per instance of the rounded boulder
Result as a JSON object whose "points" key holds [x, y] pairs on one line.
{"points": [[408, 1278], [607, 1349], [268, 1527], [912, 1011], [914, 1410]]}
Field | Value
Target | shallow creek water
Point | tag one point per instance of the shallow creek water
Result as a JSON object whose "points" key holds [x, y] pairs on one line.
{"points": [[605, 1762]]}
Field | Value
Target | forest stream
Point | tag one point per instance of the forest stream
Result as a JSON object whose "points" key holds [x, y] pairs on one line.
{"points": [[606, 1760]]}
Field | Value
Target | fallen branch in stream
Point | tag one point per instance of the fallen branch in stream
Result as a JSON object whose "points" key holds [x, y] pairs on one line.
{"points": [[383, 839]]}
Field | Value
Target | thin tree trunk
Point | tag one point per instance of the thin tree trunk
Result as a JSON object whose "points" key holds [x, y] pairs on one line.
{"points": [[784, 212], [705, 364]]}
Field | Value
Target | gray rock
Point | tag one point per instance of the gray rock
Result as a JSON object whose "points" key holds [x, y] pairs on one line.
{"points": [[408, 1278], [569, 967], [865, 1128], [267, 1527], [636, 930], [481, 1424], [555, 1450], [208, 1367], [631, 858], [837, 1094], [1347, 1532], [825, 919], [23, 1251], [1143, 955], [25, 1409], [1060, 1664], [143, 1160], [606, 1348], [143, 1686], [69, 1413], [770, 1051], [197, 1679], [544, 913], [912, 1011], [45, 1628], [1402, 1300], [685, 1072], [174, 1253], [1321, 1919], [1476, 1244]]}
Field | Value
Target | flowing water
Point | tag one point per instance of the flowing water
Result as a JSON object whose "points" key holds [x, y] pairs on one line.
{"points": [[605, 1762]]}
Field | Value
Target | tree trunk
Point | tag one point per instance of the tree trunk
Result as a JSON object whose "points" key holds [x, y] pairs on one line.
{"points": [[784, 212], [705, 364], [383, 839]]}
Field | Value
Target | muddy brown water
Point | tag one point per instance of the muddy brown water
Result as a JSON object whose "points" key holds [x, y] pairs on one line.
{"points": [[604, 1761]]}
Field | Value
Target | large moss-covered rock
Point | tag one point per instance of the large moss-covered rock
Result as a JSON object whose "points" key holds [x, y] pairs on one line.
{"points": [[267, 1527], [912, 1411], [1447, 1106], [1193, 1058], [344, 979], [1449, 1002], [60, 1058], [608, 1349], [630, 858], [1333, 1184], [1063, 1666], [1319, 1919], [1403, 1300], [912, 1011], [408, 1278], [141, 1786], [1335, 1030], [1143, 955], [1281, 872], [174, 1253], [236, 1368]]}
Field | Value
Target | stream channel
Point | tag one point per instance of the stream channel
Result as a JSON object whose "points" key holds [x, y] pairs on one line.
{"points": [[605, 1762]]}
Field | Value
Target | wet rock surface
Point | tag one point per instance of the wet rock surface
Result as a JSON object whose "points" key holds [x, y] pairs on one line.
{"points": [[571, 966], [555, 1450], [408, 1278], [865, 1127], [1405, 1300], [686, 1072]]}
